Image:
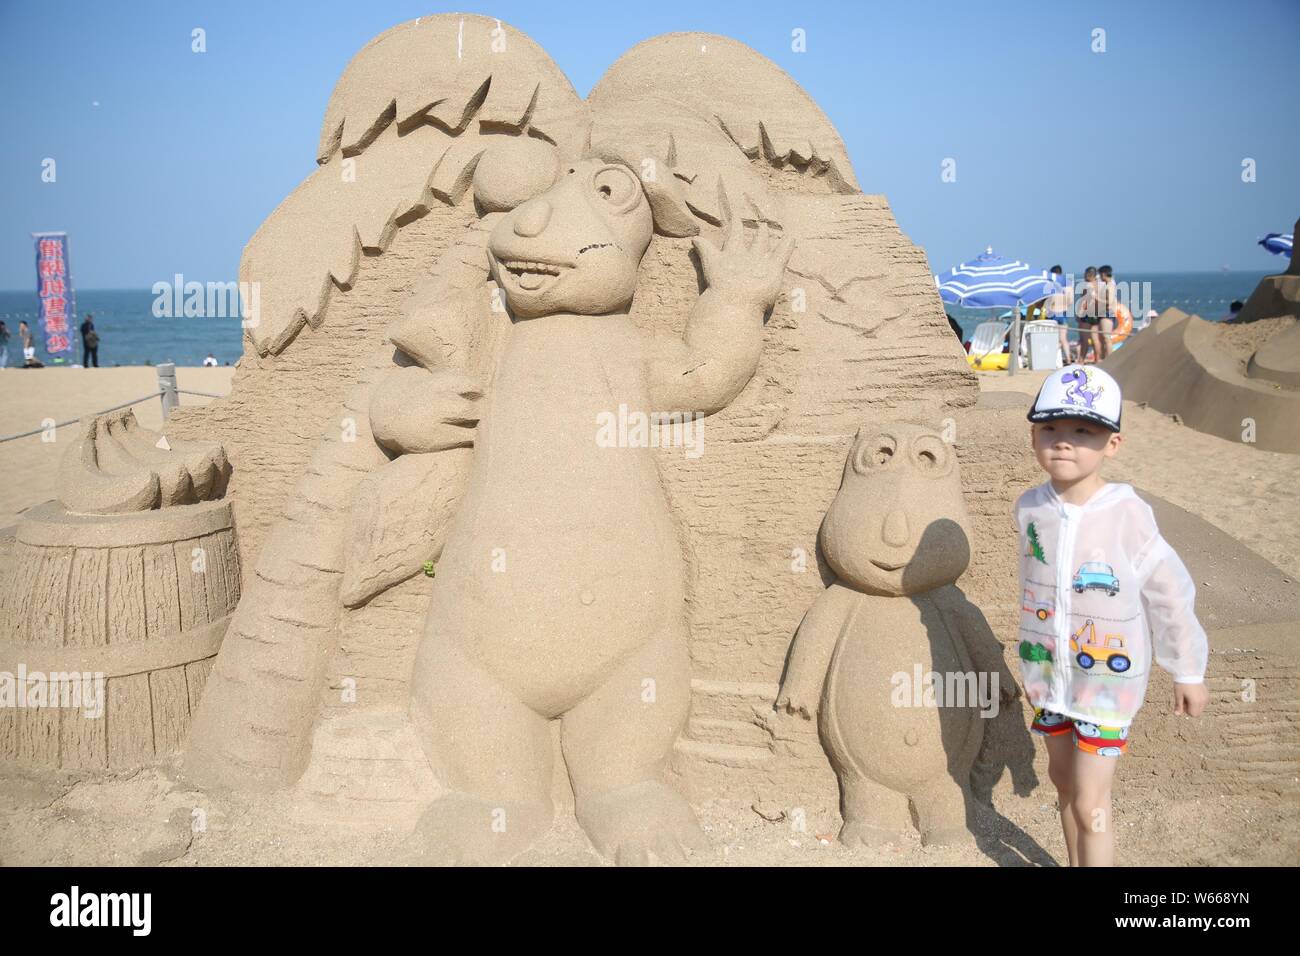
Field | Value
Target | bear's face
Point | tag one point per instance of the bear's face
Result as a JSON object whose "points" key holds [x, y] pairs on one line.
{"points": [[577, 247], [898, 525]]}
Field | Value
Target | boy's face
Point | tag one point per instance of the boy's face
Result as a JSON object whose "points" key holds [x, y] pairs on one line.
{"points": [[1069, 449]]}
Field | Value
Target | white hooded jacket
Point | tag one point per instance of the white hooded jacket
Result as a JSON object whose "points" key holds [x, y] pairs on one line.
{"points": [[1099, 589]]}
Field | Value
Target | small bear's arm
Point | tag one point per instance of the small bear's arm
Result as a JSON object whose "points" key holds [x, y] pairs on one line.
{"points": [[810, 655], [983, 645], [707, 368]]}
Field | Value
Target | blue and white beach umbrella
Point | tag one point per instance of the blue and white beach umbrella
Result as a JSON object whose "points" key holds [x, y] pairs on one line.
{"points": [[1278, 243], [991, 282]]}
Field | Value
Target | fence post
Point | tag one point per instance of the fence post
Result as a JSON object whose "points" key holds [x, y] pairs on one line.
{"points": [[167, 383], [1013, 360]]}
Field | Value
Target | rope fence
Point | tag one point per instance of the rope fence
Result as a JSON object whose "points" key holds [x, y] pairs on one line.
{"points": [[167, 391]]}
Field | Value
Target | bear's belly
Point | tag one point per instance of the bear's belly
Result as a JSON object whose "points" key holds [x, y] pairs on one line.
{"points": [[877, 715], [563, 557], [549, 609]]}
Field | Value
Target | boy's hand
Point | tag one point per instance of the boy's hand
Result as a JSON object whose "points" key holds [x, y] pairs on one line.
{"points": [[1190, 699]]}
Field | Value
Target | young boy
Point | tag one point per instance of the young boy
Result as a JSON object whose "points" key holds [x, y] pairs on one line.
{"points": [[1101, 589]]}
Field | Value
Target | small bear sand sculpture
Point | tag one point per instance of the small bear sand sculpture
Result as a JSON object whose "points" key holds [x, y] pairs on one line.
{"points": [[896, 538]]}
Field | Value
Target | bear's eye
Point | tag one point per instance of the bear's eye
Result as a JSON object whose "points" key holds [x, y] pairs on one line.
{"points": [[879, 452], [617, 186], [929, 455], [875, 453]]}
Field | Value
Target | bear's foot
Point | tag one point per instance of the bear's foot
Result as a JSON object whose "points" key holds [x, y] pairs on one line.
{"points": [[640, 824], [857, 833], [954, 836], [463, 830]]}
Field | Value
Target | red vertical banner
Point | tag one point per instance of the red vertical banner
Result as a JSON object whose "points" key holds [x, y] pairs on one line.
{"points": [[57, 302]]}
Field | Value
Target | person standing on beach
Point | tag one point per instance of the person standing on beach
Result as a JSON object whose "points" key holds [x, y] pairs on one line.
{"points": [[1086, 312], [1117, 598], [29, 347], [89, 342], [1106, 301], [4, 345]]}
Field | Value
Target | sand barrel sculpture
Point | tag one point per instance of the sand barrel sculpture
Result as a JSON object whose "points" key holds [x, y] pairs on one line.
{"points": [[548, 398], [114, 600]]}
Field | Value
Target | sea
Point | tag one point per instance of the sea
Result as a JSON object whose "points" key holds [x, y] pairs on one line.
{"points": [[131, 333]]}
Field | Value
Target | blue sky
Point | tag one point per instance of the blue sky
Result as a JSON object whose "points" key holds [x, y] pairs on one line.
{"points": [[1131, 156]]}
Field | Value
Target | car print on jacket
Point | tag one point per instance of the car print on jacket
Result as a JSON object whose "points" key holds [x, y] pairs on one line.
{"points": [[1096, 576], [1088, 652], [1039, 609]]}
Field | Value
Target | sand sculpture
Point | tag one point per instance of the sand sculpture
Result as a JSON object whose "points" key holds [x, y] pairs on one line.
{"points": [[441, 301], [1238, 380], [115, 598], [896, 537], [561, 588]]}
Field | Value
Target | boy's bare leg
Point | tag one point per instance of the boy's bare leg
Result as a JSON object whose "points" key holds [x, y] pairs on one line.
{"points": [[1092, 811], [1060, 769]]}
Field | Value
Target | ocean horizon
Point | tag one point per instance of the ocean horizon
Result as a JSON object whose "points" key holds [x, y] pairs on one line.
{"points": [[130, 333]]}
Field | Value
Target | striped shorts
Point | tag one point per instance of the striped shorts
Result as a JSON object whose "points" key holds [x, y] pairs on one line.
{"points": [[1090, 738]]}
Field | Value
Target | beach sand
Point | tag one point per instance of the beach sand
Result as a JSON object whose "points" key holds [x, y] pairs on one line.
{"points": [[1178, 803], [29, 397]]}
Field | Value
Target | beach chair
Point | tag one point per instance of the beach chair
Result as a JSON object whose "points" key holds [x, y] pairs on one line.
{"points": [[1043, 327], [988, 338]]}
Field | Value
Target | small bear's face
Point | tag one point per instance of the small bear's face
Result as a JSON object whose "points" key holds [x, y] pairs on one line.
{"points": [[898, 525]]}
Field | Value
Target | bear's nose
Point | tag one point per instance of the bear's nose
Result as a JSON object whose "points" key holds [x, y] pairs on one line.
{"points": [[895, 530], [532, 217]]}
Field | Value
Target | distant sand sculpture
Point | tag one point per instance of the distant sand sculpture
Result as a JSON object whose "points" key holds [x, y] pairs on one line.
{"points": [[1193, 368]]}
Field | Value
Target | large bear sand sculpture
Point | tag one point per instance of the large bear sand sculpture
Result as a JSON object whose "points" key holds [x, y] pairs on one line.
{"points": [[462, 318]]}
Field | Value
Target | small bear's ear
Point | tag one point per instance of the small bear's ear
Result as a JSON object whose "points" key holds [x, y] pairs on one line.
{"points": [[851, 464]]}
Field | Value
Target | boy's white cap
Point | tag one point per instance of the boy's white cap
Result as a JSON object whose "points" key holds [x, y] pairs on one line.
{"points": [[1079, 391]]}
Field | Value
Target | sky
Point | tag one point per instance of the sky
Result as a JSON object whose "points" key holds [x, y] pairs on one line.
{"points": [[168, 160]]}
